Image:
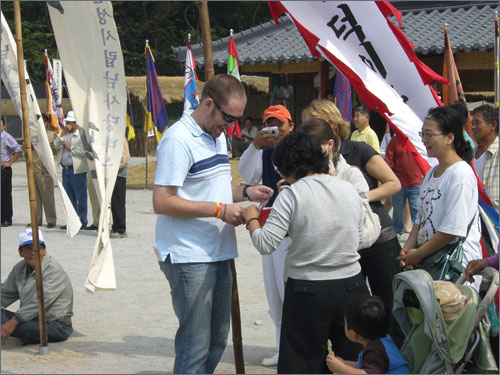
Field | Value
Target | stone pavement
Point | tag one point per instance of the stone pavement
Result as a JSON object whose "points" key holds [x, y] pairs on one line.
{"points": [[131, 329]]}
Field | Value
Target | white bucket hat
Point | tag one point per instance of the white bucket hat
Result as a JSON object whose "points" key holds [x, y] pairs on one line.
{"points": [[70, 116], [26, 237]]}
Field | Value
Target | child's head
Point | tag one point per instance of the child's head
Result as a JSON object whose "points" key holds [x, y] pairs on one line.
{"points": [[367, 316]]}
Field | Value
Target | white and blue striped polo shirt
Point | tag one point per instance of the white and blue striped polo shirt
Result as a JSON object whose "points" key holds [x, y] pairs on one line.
{"points": [[189, 158]]}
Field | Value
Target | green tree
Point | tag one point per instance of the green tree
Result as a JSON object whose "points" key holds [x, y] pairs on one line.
{"points": [[163, 23]]}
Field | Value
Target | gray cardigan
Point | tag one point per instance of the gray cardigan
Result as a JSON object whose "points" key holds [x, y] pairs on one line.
{"points": [[323, 216], [57, 290]]}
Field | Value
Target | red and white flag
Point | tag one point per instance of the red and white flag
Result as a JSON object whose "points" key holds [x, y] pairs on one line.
{"points": [[233, 69], [375, 56]]}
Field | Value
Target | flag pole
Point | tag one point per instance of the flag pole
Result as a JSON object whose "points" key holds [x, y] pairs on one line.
{"points": [[146, 137], [42, 321], [496, 61], [239, 362]]}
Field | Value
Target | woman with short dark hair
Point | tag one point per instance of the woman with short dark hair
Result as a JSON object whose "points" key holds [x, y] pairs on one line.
{"points": [[323, 216]]}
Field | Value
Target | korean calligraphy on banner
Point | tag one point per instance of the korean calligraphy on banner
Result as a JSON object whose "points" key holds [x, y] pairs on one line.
{"points": [[92, 58], [39, 140], [375, 56]]}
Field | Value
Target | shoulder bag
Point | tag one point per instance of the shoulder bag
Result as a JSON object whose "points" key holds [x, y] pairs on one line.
{"points": [[446, 263]]}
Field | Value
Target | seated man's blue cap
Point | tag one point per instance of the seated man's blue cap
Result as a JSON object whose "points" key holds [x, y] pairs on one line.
{"points": [[26, 237]]}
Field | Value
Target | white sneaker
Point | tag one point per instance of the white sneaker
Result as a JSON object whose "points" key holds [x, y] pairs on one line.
{"points": [[273, 361]]}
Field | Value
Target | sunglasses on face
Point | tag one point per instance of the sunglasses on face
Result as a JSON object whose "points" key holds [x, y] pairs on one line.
{"points": [[225, 116]]}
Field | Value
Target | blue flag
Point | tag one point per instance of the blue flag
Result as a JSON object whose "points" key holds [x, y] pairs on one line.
{"points": [[156, 112]]}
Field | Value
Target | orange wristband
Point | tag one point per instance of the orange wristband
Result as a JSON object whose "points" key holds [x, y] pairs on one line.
{"points": [[217, 211]]}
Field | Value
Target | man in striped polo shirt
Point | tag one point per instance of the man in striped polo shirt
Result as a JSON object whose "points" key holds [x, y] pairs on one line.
{"points": [[195, 235]]}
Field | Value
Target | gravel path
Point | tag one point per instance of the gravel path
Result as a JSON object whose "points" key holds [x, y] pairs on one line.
{"points": [[132, 329]]}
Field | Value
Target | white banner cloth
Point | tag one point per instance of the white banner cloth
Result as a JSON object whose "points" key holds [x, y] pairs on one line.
{"points": [[92, 59], [356, 37], [39, 140]]}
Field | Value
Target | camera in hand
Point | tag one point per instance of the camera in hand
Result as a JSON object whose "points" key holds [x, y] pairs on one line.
{"points": [[273, 130]]}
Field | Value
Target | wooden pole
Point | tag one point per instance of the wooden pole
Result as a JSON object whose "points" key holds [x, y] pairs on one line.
{"points": [[42, 321], [206, 36], [146, 135], [239, 362]]}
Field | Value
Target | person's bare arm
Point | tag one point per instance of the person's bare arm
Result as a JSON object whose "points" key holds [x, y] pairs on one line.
{"points": [[166, 202], [413, 256], [378, 169]]}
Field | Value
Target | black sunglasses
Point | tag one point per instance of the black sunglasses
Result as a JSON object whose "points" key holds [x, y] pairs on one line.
{"points": [[225, 116]]}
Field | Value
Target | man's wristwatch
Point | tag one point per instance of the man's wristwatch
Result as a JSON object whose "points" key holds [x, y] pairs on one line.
{"points": [[244, 192]]}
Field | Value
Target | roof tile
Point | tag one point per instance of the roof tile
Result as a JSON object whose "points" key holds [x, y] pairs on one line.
{"points": [[470, 28]]}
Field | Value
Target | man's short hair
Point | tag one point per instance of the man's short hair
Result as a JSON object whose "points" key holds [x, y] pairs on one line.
{"points": [[362, 109], [45, 117], [367, 316], [490, 114], [249, 118], [222, 87]]}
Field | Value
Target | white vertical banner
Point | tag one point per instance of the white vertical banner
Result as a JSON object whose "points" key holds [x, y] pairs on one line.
{"points": [[92, 59], [39, 140]]}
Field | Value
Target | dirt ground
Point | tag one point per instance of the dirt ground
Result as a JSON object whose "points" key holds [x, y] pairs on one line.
{"points": [[130, 330], [136, 174]]}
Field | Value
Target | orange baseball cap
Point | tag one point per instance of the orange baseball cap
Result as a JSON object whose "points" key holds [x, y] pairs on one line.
{"points": [[277, 111]]}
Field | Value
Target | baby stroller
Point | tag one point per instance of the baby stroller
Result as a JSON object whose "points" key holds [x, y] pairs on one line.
{"points": [[434, 346]]}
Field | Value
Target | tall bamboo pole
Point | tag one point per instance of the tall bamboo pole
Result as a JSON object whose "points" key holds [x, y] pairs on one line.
{"points": [[42, 321], [206, 36], [239, 362], [146, 134]]}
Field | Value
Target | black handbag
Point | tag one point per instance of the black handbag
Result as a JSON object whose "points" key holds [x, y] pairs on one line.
{"points": [[446, 263]]}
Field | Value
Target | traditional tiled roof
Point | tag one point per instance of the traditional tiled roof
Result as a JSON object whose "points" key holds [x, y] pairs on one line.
{"points": [[470, 27]]}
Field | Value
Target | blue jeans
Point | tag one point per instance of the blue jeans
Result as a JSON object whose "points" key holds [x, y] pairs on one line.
{"points": [[398, 204], [76, 188], [29, 332], [201, 297]]}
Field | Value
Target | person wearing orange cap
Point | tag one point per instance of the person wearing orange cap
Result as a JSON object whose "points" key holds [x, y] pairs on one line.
{"points": [[256, 164]]}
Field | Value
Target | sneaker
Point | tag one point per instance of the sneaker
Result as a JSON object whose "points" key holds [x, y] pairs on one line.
{"points": [[52, 225], [118, 235], [91, 227], [273, 361], [6, 223], [62, 227]]}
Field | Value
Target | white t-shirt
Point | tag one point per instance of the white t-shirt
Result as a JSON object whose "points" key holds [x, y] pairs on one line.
{"points": [[479, 165], [447, 204]]}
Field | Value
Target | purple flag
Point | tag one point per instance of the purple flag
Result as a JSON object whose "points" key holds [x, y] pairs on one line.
{"points": [[342, 94]]}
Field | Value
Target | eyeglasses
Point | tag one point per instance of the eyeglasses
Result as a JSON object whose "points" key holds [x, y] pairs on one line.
{"points": [[428, 135], [225, 116]]}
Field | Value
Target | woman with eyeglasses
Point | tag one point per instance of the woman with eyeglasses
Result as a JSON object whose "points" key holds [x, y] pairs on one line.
{"points": [[448, 196], [321, 268]]}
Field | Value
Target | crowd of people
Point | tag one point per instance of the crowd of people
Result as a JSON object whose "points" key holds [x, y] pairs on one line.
{"points": [[330, 249]]}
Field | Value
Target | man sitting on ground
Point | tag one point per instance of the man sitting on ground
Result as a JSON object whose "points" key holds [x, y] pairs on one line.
{"points": [[21, 285]]}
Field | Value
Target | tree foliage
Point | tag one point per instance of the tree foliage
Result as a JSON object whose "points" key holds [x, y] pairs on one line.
{"points": [[163, 23]]}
